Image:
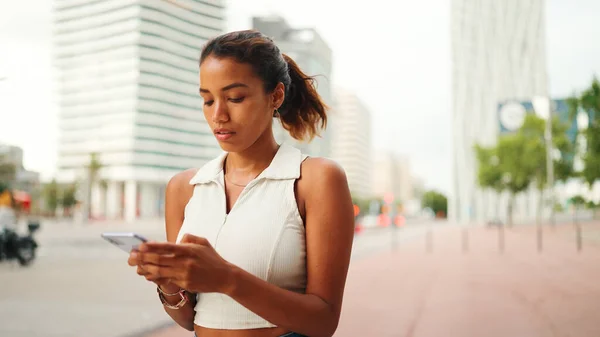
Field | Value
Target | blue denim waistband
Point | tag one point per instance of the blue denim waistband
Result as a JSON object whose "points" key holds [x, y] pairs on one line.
{"points": [[289, 334]]}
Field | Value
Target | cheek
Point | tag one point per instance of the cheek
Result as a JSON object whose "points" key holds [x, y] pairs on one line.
{"points": [[207, 115], [251, 114]]}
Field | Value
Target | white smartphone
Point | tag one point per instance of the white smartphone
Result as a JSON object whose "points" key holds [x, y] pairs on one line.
{"points": [[126, 241]]}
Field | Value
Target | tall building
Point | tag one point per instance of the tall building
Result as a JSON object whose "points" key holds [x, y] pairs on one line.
{"points": [[24, 180], [391, 175], [351, 141], [498, 53], [314, 56], [128, 91]]}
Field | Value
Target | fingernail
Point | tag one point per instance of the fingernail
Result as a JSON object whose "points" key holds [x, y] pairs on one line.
{"points": [[134, 255]]}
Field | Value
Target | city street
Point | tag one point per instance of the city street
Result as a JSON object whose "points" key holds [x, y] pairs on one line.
{"points": [[82, 286], [471, 159], [472, 285]]}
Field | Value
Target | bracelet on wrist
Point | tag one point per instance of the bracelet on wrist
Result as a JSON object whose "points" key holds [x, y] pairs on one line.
{"points": [[167, 294], [182, 294]]}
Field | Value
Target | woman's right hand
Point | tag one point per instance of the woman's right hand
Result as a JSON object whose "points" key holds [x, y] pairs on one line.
{"points": [[164, 283]]}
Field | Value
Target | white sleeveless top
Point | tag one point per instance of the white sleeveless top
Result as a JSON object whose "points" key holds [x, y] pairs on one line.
{"points": [[262, 234]]}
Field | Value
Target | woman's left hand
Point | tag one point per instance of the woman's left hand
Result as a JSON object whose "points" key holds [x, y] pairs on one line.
{"points": [[193, 264]]}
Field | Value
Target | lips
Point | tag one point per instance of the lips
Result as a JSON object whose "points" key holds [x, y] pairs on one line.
{"points": [[223, 134]]}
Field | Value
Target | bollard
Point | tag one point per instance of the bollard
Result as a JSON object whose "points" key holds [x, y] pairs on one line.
{"points": [[540, 238], [501, 238], [465, 240], [429, 240], [579, 238], [394, 237]]}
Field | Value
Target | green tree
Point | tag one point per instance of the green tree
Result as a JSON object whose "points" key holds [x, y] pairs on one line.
{"points": [[511, 165], [518, 158], [92, 168], [578, 202], [51, 193], [533, 130], [589, 103], [69, 197], [436, 201], [489, 173]]}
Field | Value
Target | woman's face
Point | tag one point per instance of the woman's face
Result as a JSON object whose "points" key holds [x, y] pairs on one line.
{"points": [[235, 104]]}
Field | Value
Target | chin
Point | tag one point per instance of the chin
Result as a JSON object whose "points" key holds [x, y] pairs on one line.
{"points": [[230, 147]]}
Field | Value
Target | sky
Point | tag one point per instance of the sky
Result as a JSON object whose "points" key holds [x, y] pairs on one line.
{"points": [[394, 54]]}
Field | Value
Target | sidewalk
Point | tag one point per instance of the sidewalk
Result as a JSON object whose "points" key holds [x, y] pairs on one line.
{"points": [[480, 292], [477, 291], [52, 231]]}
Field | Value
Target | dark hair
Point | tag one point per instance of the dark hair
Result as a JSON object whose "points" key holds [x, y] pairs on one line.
{"points": [[302, 110]]}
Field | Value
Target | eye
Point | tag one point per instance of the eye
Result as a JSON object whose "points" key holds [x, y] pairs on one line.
{"points": [[208, 103], [237, 100]]}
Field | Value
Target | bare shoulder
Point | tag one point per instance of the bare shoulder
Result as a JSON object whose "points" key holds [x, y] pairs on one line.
{"points": [[317, 172], [321, 181], [179, 185], [178, 193]]}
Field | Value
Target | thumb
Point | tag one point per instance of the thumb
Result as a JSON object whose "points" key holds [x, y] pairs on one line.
{"points": [[189, 238]]}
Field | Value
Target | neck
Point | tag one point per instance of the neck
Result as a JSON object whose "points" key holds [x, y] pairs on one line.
{"points": [[253, 160]]}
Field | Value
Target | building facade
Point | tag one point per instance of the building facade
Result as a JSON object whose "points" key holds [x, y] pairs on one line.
{"points": [[392, 176], [23, 179], [128, 91], [351, 141], [314, 56], [498, 53]]}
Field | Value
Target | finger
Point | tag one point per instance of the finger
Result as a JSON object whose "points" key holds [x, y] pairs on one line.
{"points": [[158, 272], [162, 248], [159, 259], [189, 238], [134, 258], [141, 271]]}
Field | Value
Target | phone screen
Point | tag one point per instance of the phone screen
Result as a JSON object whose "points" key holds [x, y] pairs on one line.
{"points": [[125, 241]]}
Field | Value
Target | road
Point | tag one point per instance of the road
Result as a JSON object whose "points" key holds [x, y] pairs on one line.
{"points": [[82, 286]]}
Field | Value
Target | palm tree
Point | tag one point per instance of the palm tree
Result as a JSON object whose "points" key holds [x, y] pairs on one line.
{"points": [[92, 170]]}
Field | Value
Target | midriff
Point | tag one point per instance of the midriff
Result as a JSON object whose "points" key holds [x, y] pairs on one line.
{"points": [[267, 332]]}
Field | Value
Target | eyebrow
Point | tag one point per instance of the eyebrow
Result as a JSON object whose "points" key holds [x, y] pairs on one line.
{"points": [[228, 87]]}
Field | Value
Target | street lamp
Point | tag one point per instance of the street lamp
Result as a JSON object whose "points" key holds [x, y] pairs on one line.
{"points": [[542, 107]]}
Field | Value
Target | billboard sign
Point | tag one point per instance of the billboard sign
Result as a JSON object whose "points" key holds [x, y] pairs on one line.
{"points": [[511, 114]]}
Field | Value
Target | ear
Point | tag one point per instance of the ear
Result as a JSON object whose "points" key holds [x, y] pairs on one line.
{"points": [[278, 96]]}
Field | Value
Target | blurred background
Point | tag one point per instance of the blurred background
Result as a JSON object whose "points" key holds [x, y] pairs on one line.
{"points": [[467, 123]]}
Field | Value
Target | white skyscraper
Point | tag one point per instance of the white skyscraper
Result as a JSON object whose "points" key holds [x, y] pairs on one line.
{"points": [[498, 53], [128, 89], [351, 141]]}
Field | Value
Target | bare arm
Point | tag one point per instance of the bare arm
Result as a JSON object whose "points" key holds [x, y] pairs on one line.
{"points": [[329, 236], [178, 193]]}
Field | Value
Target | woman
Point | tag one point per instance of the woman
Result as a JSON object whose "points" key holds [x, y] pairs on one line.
{"points": [[259, 239]]}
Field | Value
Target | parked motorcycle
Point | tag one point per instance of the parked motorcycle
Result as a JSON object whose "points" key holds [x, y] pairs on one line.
{"points": [[18, 247]]}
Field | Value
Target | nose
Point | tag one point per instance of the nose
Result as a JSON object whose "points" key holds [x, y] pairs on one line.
{"points": [[220, 112]]}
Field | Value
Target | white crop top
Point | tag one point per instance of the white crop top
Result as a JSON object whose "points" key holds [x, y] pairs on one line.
{"points": [[262, 234]]}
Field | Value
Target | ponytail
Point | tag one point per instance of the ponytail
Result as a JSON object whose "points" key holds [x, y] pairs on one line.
{"points": [[303, 112]]}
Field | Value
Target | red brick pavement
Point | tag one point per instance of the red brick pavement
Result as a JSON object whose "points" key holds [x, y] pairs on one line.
{"points": [[478, 292]]}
